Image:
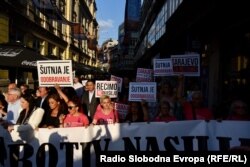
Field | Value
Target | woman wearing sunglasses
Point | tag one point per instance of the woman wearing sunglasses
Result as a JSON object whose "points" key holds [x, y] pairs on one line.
{"points": [[75, 117]]}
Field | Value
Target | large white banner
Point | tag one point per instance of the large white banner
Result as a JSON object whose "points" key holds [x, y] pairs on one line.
{"points": [[51, 72], [79, 146]]}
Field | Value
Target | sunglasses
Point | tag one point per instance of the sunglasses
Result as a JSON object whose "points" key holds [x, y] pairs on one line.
{"points": [[71, 107]]}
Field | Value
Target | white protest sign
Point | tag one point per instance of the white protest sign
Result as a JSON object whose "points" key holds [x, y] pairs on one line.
{"points": [[109, 88], [119, 81], [142, 90], [188, 65], [163, 67], [122, 110], [144, 75], [51, 72]]}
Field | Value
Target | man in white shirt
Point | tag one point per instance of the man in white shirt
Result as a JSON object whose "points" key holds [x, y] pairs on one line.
{"points": [[89, 101], [14, 106]]}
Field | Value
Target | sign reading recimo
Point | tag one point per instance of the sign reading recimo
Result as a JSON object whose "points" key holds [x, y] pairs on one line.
{"points": [[51, 72]]}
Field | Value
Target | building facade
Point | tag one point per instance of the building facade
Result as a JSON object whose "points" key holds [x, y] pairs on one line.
{"points": [[56, 29], [217, 30], [128, 36]]}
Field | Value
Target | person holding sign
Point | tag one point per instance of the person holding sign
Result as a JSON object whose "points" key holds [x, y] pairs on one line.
{"points": [[75, 117], [105, 113]]}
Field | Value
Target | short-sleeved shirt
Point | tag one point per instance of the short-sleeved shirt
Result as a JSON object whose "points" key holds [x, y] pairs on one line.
{"points": [[102, 118], [200, 113], [75, 121]]}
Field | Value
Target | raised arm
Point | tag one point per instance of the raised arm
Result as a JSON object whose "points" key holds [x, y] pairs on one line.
{"points": [[60, 92], [144, 106]]}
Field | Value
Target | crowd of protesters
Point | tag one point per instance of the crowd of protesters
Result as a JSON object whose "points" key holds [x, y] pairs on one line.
{"points": [[54, 107]]}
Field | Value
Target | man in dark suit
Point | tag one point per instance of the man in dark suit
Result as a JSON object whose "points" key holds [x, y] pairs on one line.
{"points": [[42, 102], [89, 101]]}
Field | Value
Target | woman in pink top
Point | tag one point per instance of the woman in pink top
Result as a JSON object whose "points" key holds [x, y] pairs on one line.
{"points": [[75, 118], [194, 110], [105, 113]]}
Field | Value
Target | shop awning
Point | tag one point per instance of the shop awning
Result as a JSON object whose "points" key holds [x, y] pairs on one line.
{"points": [[14, 55], [82, 68]]}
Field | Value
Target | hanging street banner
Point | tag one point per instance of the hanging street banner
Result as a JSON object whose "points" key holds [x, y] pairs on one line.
{"points": [[118, 80], [51, 72], [162, 143], [144, 75], [163, 67], [109, 88], [142, 91], [188, 65]]}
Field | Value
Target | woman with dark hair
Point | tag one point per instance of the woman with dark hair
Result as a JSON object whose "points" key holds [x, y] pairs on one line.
{"points": [[138, 112], [76, 116], [30, 116], [57, 107]]}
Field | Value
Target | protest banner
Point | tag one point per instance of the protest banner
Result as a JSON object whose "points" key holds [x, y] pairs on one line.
{"points": [[80, 146], [163, 67], [51, 72], [109, 88], [142, 91], [118, 80], [188, 65], [122, 110], [144, 75]]}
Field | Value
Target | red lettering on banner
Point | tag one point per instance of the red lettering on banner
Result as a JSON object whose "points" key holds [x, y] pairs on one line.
{"points": [[185, 69], [142, 96], [55, 79]]}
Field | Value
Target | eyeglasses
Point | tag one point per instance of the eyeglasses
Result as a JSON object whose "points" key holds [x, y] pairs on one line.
{"points": [[71, 107]]}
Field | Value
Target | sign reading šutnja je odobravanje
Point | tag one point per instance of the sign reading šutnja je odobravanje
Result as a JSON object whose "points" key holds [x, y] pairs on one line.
{"points": [[51, 72], [142, 91]]}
